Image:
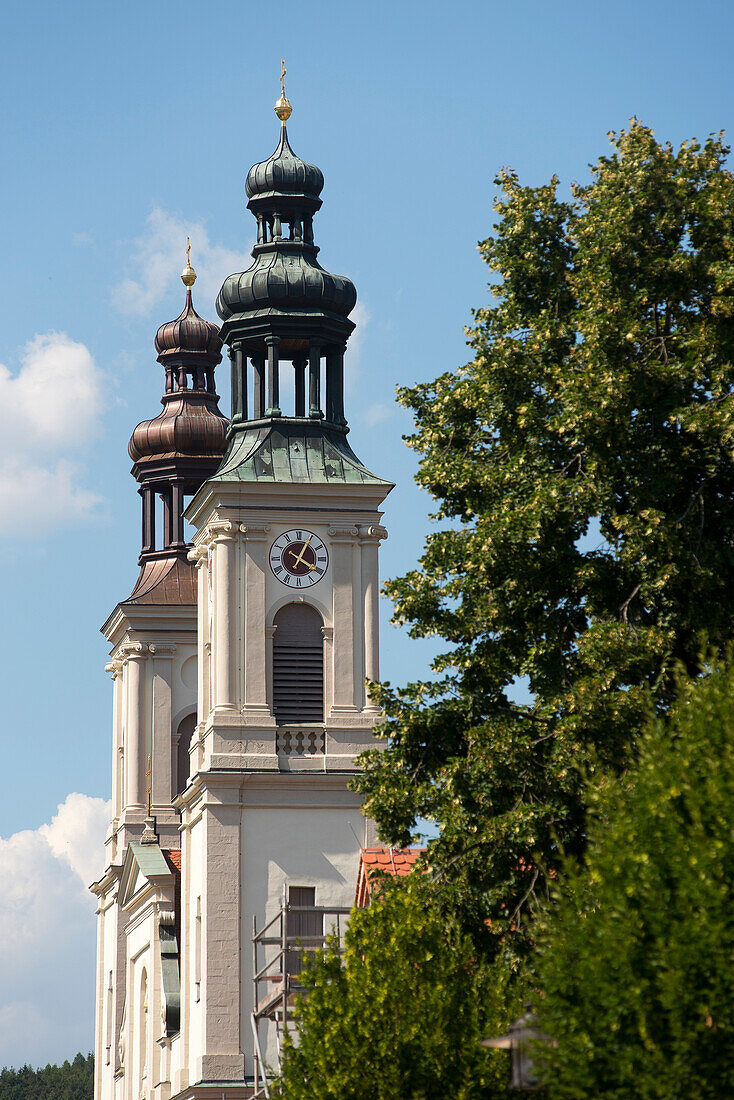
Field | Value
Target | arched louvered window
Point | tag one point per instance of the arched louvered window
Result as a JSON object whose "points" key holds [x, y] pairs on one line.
{"points": [[298, 665]]}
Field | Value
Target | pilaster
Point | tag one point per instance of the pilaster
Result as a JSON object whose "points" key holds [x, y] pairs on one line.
{"points": [[370, 537]]}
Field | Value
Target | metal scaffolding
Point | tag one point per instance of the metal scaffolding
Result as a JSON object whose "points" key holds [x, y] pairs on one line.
{"points": [[278, 949]]}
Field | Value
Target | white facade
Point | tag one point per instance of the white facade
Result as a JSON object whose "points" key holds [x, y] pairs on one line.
{"points": [[263, 808]]}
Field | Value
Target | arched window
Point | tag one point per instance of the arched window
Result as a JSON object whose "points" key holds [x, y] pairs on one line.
{"points": [[185, 730], [298, 665]]}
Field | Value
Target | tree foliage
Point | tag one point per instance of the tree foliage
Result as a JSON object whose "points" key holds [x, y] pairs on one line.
{"points": [[399, 1015], [636, 961], [70, 1081], [583, 465]]}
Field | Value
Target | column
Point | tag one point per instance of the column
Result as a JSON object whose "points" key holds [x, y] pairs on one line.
{"points": [[299, 366], [135, 731], [357, 627], [224, 639], [167, 520], [273, 408], [314, 380], [200, 557], [239, 382], [221, 1058], [330, 386], [258, 391], [115, 668], [342, 548], [335, 384], [177, 513], [254, 662], [148, 494], [162, 785], [371, 536]]}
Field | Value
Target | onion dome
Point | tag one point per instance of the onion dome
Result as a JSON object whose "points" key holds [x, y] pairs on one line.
{"points": [[189, 334], [175, 452], [285, 283], [284, 173], [187, 428]]}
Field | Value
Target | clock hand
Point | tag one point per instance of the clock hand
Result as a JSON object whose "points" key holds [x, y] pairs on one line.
{"points": [[299, 560]]}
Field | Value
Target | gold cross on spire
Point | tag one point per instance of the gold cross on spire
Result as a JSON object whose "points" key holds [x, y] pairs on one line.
{"points": [[282, 107], [188, 275]]}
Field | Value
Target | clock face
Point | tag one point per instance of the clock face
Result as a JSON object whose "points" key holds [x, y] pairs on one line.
{"points": [[298, 558]]}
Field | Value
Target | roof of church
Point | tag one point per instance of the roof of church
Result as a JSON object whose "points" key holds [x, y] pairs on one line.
{"points": [[397, 862], [293, 452], [170, 580]]}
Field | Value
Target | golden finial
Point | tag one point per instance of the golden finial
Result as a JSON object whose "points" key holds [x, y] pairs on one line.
{"points": [[283, 108], [188, 275]]}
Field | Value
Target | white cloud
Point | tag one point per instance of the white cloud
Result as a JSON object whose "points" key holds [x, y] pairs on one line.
{"points": [[76, 832], [47, 942], [376, 414], [55, 398], [361, 317], [160, 254], [50, 408]]}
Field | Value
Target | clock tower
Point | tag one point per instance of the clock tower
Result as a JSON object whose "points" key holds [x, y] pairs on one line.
{"points": [[285, 552]]}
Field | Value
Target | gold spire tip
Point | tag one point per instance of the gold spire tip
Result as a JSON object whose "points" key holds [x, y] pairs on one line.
{"points": [[283, 108], [188, 275]]}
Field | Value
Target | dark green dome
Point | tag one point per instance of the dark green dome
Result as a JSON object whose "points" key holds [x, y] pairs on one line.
{"points": [[284, 173], [284, 281]]}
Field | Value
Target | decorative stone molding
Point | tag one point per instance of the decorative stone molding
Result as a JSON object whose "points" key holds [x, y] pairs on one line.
{"points": [[346, 533], [199, 554], [300, 742], [114, 668], [254, 532], [158, 649], [132, 650], [223, 531], [328, 633], [373, 531], [166, 917]]}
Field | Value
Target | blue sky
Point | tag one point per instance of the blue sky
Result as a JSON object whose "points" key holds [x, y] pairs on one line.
{"points": [[126, 126]]}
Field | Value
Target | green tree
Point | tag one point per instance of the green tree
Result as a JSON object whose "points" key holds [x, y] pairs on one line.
{"points": [[399, 1015], [583, 465], [636, 961], [70, 1081]]}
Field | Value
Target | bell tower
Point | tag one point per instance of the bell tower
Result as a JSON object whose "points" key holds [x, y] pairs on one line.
{"points": [[286, 549], [243, 821]]}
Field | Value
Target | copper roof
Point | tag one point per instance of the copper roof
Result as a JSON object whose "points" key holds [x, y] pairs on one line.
{"points": [[169, 580], [188, 333], [190, 425]]}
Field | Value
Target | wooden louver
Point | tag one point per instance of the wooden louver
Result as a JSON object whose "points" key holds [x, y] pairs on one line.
{"points": [[298, 665]]}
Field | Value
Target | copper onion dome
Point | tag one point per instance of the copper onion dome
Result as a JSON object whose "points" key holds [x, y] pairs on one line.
{"points": [[174, 453], [189, 333], [190, 424]]}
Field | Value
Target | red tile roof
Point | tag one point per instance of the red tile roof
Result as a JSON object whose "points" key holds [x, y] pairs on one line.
{"points": [[380, 860], [174, 857]]}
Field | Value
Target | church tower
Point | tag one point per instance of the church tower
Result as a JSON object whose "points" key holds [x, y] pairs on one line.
{"points": [[246, 829]]}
